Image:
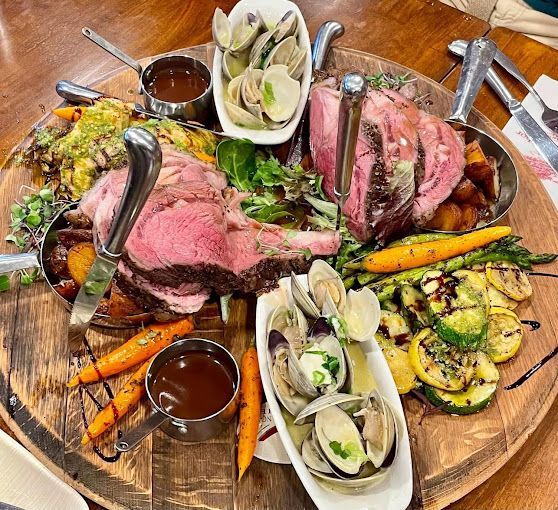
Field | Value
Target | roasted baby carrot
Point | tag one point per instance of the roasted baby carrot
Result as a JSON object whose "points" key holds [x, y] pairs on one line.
{"points": [[126, 398], [250, 407], [71, 113], [136, 350], [400, 258]]}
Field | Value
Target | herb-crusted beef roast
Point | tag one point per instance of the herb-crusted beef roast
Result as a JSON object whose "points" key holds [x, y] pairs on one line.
{"points": [[382, 191], [192, 236]]}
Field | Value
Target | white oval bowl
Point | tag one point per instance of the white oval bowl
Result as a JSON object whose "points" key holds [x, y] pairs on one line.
{"points": [[394, 492], [271, 11]]}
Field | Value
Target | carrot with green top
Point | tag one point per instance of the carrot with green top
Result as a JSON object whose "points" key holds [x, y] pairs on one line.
{"points": [[250, 408], [145, 344], [399, 258], [123, 401]]}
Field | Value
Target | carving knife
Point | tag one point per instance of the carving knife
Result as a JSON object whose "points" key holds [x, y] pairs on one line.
{"points": [[328, 32], [144, 156], [74, 93], [353, 91], [540, 139]]}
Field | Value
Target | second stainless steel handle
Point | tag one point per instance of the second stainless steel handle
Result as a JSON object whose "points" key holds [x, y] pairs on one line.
{"points": [[478, 59], [328, 32], [353, 91], [137, 435], [112, 49], [17, 261], [75, 93], [144, 161]]}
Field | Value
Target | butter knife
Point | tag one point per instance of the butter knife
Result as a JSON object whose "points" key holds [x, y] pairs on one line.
{"points": [[353, 91], [540, 139], [74, 93], [144, 159]]}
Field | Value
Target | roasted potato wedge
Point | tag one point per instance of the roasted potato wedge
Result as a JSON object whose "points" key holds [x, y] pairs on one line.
{"points": [[448, 216], [120, 305], [464, 192], [71, 236], [68, 289], [491, 185], [469, 217], [80, 260]]}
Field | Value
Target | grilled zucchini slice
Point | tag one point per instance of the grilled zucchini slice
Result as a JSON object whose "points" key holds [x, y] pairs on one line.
{"points": [[390, 306], [509, 279], [399, 365], [413, 307], [495, 297], [476, 396], [458, 305], [440, 364], [394, 327], [505, 333]]}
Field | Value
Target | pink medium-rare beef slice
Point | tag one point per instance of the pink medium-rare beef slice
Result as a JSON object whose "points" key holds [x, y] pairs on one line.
{"points": [[382, 188], [444, 157]]}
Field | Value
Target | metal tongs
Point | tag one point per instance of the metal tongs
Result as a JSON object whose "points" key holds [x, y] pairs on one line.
{"points": [[353, 91]]}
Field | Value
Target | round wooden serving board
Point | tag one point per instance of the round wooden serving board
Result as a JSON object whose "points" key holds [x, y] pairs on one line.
{"points": [[451, 455]]}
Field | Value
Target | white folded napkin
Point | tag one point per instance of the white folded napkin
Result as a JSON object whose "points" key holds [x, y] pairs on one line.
{"points": [[548, 90]]}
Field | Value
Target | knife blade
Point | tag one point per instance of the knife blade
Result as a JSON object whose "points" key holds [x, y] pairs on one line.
{"points": [[144, 156], [540, 139], [353, 91], [328, 32]]}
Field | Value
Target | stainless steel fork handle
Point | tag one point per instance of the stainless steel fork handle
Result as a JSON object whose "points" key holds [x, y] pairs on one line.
{"points": [[328, 32], [478, 59]]}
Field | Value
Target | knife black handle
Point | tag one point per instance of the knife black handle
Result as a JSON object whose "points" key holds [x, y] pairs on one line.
{"points": [[144, 161]]}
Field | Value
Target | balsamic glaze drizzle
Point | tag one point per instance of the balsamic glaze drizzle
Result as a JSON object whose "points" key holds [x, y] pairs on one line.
{"points": [[535, 273], [533, 369], [534, 324], [83, 389]]}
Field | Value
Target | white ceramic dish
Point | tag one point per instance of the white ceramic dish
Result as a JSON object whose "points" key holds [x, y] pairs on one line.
{"points": [[26, 483], [272, 11], [394, 492]]}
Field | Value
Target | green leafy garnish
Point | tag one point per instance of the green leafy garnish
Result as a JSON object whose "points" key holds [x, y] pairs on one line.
{"points": [[4, 282], [331, 364], [238, 159], [317, 377], [95, 288], [268, 95]]}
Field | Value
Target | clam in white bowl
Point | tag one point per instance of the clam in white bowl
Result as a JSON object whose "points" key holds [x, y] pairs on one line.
{"points": [[390, 491], [271, 12]]}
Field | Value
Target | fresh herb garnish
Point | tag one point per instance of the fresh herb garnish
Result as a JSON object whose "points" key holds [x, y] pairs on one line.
{"points": [[331, 364], [317, 377], [4, 282], [268, 95], [95, 288]]}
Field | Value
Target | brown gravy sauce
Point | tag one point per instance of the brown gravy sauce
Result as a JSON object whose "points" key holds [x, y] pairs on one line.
{"points": [[177, 84], [193, 386]]}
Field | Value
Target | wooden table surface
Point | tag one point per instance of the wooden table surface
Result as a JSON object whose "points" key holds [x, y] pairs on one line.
{"points": [[41, 43]]}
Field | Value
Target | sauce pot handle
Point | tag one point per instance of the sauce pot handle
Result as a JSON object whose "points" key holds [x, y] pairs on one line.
{"points": [[135, 436]]}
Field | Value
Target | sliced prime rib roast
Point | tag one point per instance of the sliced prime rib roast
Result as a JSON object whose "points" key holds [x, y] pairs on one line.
{"points": [[383, 184], [192, 236], [444, 159]]}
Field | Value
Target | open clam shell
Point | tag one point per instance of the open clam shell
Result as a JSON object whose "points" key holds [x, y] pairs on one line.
{"points": [[246, 32], [262, 46], [250, 92], [281, 53], [243, 118], [297, 63], [292, 324], [311, 455], [286, 26], [221, 30], [234, 64], [233, 91], [362, 314], [303, 299], [280, 93], [307, 414], [322, 278], [340, 441], [277, 360]]}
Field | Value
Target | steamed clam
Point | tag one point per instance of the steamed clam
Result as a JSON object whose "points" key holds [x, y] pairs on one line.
{"points": [[272, 62], [350, 450]]}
